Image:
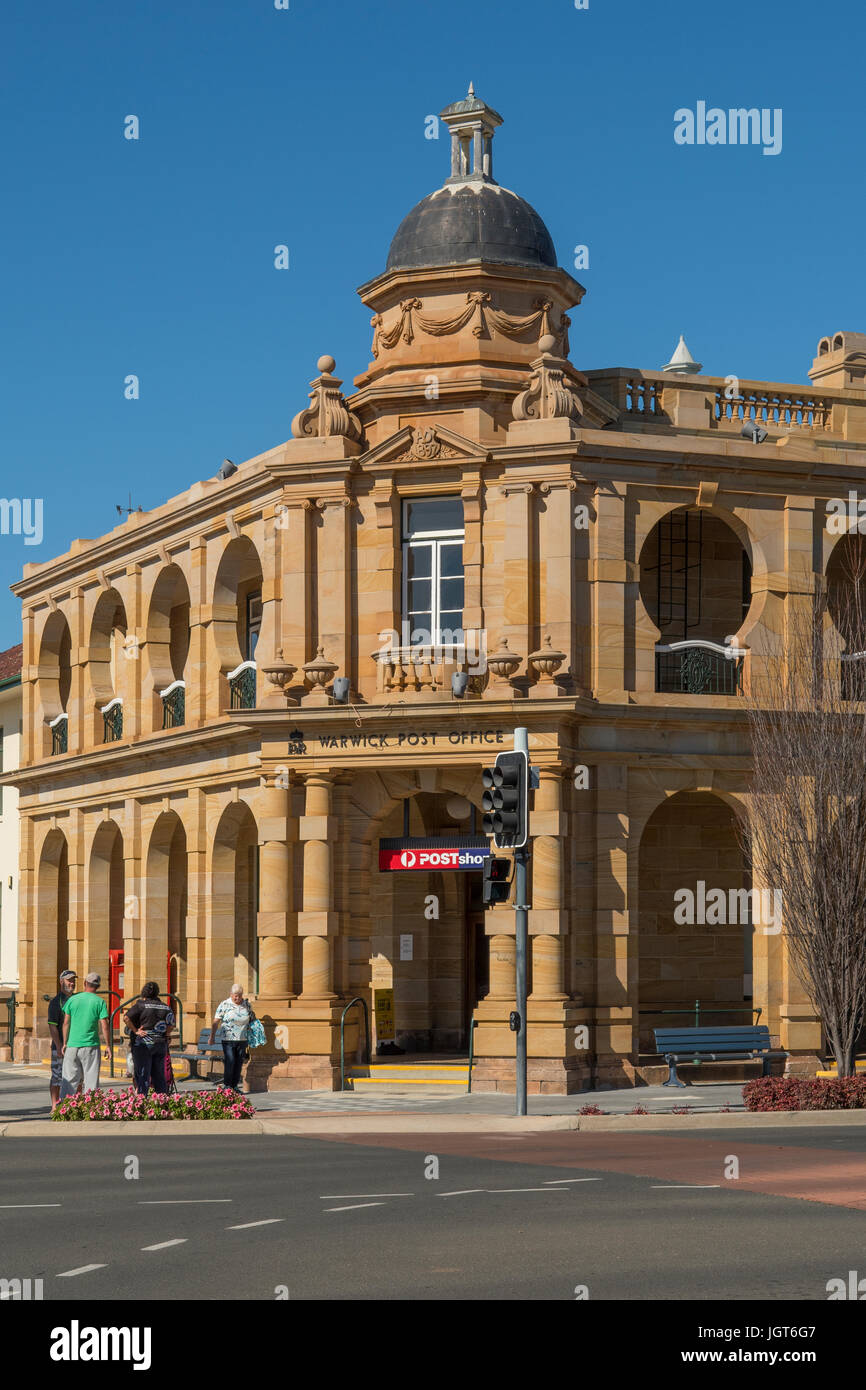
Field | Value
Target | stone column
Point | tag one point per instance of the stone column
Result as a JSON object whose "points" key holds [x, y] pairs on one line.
{"points": [[199, 1002], [547, 918], [336, 633], [275, 922], [518, 608], [557, 577], [616, 947], [614, 581], [317, 920], [502, 966]]}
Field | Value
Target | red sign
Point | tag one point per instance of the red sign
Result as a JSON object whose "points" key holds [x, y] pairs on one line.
{"points": [[422, 860]]}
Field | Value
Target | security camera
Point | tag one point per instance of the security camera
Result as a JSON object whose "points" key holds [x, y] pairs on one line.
{"points": [[227, 469], [459, 682], [341, 689]]}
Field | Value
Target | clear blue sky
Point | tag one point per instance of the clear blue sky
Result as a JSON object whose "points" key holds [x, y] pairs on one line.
{"points": [[306, 127]]}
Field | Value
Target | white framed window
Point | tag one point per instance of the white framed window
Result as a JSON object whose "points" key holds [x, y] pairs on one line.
{"points": [[433, 571]]}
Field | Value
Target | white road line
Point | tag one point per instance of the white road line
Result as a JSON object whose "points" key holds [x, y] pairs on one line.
{"points": [[84, 1269], [181, 1201], [270, 1221], [19, 1206], [462, 1192], [348, 1196], [682, 1186], [164, 1244], [356, 1208], [515, 1189], [556, 1182]]}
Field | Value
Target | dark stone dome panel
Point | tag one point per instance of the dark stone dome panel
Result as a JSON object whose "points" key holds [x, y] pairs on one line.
{"points": [[470, 222]]}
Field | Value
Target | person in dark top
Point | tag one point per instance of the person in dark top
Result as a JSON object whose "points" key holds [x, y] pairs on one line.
{"points": [[55, 1028], [150, 1022]]}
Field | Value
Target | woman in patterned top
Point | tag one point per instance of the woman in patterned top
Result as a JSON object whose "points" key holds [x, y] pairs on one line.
{"points": [[235, 1014]]}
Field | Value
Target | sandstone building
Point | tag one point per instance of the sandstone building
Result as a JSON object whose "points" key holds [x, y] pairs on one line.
{"points": [[231, 700]]}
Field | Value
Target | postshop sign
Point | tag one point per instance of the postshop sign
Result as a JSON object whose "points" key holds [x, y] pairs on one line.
{"points": [[441, 858]]}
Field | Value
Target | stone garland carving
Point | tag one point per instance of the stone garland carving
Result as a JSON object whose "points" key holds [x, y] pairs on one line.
{"points": [[327, 414], [478, 307]]}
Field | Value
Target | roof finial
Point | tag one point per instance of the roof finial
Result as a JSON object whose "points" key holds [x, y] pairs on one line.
{"points": [[471, 91]]}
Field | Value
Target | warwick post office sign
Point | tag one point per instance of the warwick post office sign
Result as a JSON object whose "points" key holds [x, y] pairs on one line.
{"points": [[455, 738]]}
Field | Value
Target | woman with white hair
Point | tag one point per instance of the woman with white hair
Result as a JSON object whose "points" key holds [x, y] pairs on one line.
{"points": [[235, 1014]]}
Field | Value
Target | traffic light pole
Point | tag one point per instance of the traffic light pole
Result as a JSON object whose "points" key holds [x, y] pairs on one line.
{"points": [[521, 919], [521, 857]]}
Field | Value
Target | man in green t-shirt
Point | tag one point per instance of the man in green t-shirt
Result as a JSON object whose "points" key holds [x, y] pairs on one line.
{"points": [[84, 1016]]}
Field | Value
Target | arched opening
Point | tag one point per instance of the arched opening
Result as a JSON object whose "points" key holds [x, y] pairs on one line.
{"points": [[233, 944], [429, 943], [168, 647], [112, 654], [55, 683], [695, 917], [52, 915], [696, 586], [163, 944], [846, 610], [237, 620], [106, 903]]}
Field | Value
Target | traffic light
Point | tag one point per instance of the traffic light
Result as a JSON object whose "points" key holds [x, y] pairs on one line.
{"points": [[496, 885], [505, 800]]}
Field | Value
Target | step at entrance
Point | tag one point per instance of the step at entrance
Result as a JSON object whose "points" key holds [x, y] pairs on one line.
{"points": [[394, 1076]]}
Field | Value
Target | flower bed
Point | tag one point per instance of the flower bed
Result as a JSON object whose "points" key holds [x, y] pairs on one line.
{"points": [[805, 1093], [218, 1104]]}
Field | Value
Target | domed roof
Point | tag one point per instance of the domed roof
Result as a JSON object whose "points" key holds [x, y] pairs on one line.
{"points": [[471, 220]]}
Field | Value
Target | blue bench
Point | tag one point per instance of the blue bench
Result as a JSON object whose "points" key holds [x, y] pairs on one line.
{"points": [[206, 1051], [714, 1045]]}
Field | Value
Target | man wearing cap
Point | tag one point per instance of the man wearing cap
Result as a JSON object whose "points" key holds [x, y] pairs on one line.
{"points": [[55, 1025], [84, 1015]]}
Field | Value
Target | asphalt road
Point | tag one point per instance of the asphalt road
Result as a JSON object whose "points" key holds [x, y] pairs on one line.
{"points": [[528, 1217]]}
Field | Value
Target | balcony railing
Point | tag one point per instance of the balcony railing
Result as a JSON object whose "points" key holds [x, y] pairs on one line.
{"points": [[112, 720], [428, 669], [779, 412], [59, 734], [173, 705], [242, 686], [699, 668]]}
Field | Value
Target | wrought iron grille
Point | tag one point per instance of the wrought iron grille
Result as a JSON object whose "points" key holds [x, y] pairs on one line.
{"points": [[112, 720], [853, 677], [698, 671], [60, 737], [243, 689], [174, 708]]}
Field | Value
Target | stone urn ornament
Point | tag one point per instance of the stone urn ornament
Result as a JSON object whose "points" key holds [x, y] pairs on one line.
{"points": [[279, 673], [502, 664], [546, 662], [318, 673]]}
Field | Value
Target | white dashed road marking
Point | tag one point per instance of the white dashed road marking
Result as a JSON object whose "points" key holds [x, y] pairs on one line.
{"points": [[349, 1196], [356, 1208], [270, 1221], [515, 1189], [182, 1201], [557, 1182], [20, 1206], [164, 1244], [84, 1269], [461, 1192]]}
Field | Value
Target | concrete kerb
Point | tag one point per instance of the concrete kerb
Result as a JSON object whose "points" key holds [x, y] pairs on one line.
{"points": [[297, 1126]]}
